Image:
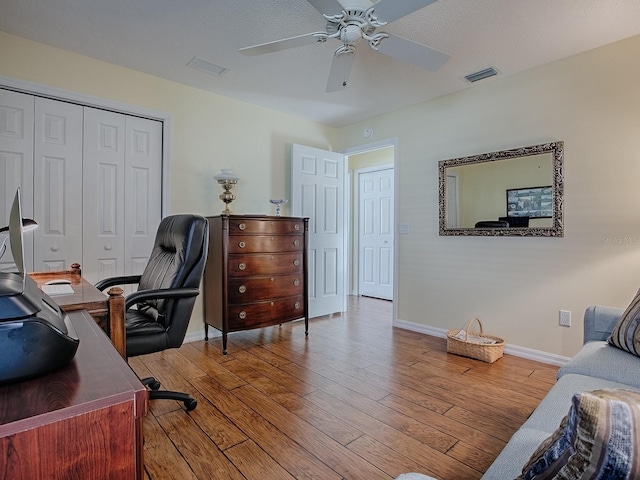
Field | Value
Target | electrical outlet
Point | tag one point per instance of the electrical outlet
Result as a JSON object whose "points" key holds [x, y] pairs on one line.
{"points": [[565, 318]]}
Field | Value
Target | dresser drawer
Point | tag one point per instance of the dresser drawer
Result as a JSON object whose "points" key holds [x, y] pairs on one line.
{"points": [[245, 290], [239, 226], [267, 264], [267, 243], [257, 314]]}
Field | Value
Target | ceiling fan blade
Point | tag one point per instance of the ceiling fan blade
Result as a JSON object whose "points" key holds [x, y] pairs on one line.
{"points": [[329, 7], [340, 71], [299, 41], [413, 53], [390, 10]]}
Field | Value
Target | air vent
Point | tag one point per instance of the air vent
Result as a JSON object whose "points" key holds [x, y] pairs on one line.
{"points": [[208, 67], [481, 75]]}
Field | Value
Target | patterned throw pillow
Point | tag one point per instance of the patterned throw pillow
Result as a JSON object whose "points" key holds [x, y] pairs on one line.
{"points": [[626, 334], [598, 439]]}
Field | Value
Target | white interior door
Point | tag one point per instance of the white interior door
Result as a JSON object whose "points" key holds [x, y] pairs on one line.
{"points": [[376, 223], [103, 194], [16, 164], [57, 179], [317, 192]]}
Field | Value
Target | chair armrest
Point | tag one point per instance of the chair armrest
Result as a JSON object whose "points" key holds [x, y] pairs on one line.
{"points": [[111, 281], [599, 322], [158, 294]]}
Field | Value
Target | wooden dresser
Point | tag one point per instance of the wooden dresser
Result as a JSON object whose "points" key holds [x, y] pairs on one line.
{"points": [[256, 273]]}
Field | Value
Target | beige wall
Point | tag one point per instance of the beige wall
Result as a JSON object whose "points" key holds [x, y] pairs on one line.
{"points": [[517, 285], [208, 132]]}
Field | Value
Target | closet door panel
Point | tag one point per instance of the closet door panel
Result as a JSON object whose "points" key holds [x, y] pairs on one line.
{"points": [[103, 194], [57, 179], [143, 190], [16, 163]]}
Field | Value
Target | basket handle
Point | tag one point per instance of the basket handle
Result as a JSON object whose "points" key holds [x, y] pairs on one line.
{"points": [[468, 325]]}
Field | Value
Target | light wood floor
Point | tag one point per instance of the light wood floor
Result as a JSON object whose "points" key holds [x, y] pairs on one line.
{"points": [[356, 399]]}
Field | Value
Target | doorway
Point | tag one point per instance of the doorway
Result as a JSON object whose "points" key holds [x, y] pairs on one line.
{"points": [[372, 212]]}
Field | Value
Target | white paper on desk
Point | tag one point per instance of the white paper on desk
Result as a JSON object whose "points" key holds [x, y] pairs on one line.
{"points": [[57, 289]]}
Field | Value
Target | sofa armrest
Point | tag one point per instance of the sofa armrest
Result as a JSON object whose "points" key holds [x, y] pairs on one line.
{"points": [[599, 322]]}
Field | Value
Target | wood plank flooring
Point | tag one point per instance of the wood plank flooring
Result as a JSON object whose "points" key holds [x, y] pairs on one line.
{"points": [[356, 399]]}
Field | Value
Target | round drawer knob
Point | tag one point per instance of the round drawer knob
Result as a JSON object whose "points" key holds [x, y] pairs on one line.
{"points": [[272, 279], [242, 266], [54, 248], [242, 288], [296, 282], [270, 257], [272, 304], [297, 305], [296, 243], [296, 262], [242, 244], [107, 247], [272, 239], [242, 226], [242, 315], [296, 227]]}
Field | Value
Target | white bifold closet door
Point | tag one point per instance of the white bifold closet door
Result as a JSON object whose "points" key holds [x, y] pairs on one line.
{"points": [[121, 192], [57, 185], [16, 163], [91, 178]]}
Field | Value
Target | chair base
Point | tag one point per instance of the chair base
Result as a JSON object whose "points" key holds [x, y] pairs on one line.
{"points": [[190, 403]]}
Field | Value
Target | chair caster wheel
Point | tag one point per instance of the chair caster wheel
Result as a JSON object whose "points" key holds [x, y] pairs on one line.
{"points": [[190, 404], [154, 385]]}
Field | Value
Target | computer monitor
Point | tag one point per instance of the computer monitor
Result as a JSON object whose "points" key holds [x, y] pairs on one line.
{"points": [[16, 236]]}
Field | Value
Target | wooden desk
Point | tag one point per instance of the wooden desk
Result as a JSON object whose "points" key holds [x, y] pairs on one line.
{"points": [[106, 310], [82, 421]]}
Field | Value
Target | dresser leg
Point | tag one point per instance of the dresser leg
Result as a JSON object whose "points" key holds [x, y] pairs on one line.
{"points": [[306, 326], [224, 343], [206, 331]]}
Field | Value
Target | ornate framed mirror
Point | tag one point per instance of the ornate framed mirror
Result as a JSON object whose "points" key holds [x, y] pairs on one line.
{"points": [[515, 192]]}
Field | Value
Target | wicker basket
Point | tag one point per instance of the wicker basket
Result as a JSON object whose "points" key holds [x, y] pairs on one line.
{"points": [[475, 344]]}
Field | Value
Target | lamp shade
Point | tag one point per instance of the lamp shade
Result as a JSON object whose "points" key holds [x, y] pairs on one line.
{"points": [[226, 174]]}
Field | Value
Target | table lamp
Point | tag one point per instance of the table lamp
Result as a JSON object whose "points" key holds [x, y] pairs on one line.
{"points": [[227, 179]]}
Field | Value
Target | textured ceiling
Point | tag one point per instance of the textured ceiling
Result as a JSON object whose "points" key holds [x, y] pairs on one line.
{"points": [[160, 37]]}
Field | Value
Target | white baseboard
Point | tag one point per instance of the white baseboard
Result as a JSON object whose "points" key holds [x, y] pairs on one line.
{"points": [[524, 352]]}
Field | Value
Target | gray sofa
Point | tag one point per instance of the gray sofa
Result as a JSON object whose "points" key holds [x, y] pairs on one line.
{"points": [[597, 365]]}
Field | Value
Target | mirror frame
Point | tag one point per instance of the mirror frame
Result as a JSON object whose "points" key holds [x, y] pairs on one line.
{"points": [[557, 228]]}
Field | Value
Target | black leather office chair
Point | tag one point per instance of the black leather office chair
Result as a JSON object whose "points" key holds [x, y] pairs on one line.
{"points": [[157, 315]]}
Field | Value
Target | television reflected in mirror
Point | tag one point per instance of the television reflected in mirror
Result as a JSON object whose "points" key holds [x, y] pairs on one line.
{"points": [[472, 192]]}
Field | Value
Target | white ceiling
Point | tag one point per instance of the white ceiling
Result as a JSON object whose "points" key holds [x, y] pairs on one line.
{"points": [[160, 37]]}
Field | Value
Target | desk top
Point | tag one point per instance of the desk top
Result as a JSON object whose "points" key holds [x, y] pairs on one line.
{"points": [[85, 296], [95, 378]]}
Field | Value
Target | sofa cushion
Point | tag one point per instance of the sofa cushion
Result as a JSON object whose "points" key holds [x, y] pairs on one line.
{"points": [[626, 333], [600, 359], [598, 438]]}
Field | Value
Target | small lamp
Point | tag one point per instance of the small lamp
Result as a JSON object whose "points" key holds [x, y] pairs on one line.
{"points": [[27, 225], [227, 179]]}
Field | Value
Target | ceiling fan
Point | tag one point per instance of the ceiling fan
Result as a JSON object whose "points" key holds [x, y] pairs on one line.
{"points": [[360, 19]]}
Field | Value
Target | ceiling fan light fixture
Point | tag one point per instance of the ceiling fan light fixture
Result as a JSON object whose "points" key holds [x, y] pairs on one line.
{"points": [[481, 75], [350, 34]]}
